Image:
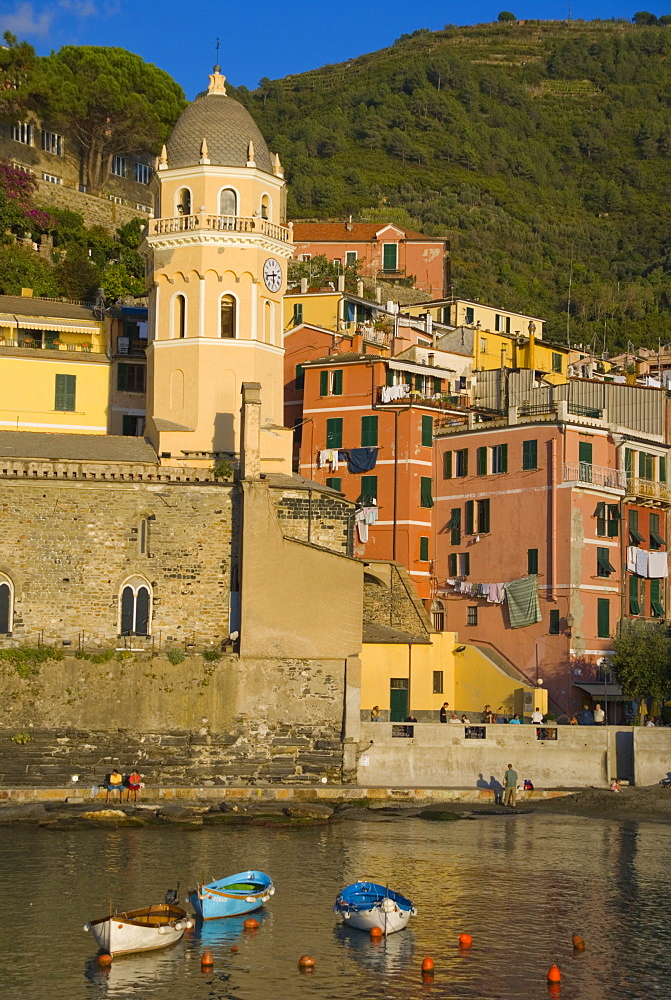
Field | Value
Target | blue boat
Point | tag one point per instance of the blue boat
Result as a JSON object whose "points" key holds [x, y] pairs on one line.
{"points": [[365, 905], [232, 896]]}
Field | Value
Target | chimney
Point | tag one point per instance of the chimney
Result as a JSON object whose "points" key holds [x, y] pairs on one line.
{"points": [[359, 288], [378, 294], [432, 359], [304, 286], [357, 343], [250, 443], [348, 225], [341, 282], [428, 323]]}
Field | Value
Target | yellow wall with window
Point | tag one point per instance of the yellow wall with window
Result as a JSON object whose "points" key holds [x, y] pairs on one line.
{"points": [[28, 399], [416, 662], [319, 309]]}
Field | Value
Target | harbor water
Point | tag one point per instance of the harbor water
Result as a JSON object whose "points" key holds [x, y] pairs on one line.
{"points": [[521, 885]]}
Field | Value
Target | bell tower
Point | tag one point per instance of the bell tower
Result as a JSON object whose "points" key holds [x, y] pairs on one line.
{"points": [[216, 256]]}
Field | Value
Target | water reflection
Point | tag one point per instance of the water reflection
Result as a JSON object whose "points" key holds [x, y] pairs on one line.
{"points": [[522, 886]]}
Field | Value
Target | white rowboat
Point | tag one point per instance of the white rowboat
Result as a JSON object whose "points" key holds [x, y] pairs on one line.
{"points": [[140, 930]]}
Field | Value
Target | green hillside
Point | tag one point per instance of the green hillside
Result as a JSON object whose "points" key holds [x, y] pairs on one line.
{"points": [[531, 145]]}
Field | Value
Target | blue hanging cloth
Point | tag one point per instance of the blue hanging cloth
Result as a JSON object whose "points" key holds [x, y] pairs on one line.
{"points": [[361, 459]]}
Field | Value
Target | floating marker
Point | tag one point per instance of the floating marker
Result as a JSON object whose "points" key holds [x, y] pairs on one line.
{"points": [[376, 932], [578, 943], [465, 940], [206, 960], [104, 959], [234, 947], [250, 924], [306, 962], [427, 964], [554, 975]]}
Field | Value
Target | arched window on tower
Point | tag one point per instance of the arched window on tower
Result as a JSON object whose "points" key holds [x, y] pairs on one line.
{"points": [[228, 202], [6, 605], [135, 607], [265, 207], [184, 202], [179, 316], [227, 316]]}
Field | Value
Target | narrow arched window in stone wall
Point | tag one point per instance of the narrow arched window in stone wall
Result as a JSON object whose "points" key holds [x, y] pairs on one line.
{"points": [[179, 319], [143, 537], [227, 316], [6, 605], [228, 202], [135, 608]]}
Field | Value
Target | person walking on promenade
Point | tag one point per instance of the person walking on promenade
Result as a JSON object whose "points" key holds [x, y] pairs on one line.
{"points": [[443, 711], [510, 787], [599, 715]]}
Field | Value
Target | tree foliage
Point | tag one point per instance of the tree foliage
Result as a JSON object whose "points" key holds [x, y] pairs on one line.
{"points": [[536, 151], [110, 99], [320, 271], [506, 15], [642, 660]]}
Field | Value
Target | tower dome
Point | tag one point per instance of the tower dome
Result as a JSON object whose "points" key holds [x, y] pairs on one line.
{"points": [[227, 127]]}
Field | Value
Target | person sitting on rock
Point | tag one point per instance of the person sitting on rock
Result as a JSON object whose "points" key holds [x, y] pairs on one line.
{"points": [[114, 783], [133, 783]]}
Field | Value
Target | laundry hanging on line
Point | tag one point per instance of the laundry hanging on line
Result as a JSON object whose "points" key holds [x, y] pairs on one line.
{"points": [[361, 459]]}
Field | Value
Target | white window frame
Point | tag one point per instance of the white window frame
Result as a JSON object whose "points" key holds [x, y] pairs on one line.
{"points": [[141, 170], [178, 192], [52, 142], [118, 168], [51, 178], [24, 132], [390, 270], [236, 314], [351, 257], [10, 617]]}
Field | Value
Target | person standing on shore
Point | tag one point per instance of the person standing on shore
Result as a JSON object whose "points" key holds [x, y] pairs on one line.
{"points": [[443, 711], [510, 787], [599, 715]]}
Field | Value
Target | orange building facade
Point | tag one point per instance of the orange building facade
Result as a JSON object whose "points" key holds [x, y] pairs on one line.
{"points": [[386, 252], [572, 502]]}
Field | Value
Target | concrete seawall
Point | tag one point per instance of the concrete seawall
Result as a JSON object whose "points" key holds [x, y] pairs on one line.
{"points": [[444, 755]]}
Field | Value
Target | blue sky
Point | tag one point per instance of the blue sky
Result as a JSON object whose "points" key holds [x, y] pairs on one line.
{"points": [[260, 38]]}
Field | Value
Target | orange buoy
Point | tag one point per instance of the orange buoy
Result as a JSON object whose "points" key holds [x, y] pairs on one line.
{"points": [[554, 975], [104, 959], [306, 962], [250, 924], [376, 932], [206, 960], [427, 964], [234, 947], [578, 943], [465, 940]]}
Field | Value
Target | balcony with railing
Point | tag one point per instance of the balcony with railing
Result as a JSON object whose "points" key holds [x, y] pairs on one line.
{"points": [[204, 222], [648, 492], [404, 395], [595, 475], [26, 345]]}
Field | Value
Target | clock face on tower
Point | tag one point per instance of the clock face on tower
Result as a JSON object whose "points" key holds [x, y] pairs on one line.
{"points": [[272, 275]]}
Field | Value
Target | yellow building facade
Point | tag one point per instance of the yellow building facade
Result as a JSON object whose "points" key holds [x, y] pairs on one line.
{"points": [[217, 255], [54, 367]]}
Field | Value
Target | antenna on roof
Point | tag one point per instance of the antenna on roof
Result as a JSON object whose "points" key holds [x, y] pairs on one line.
{"points": [[217, 51]]}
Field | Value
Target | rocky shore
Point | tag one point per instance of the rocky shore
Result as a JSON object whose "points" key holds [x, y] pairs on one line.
{"points": [[651, 804]]}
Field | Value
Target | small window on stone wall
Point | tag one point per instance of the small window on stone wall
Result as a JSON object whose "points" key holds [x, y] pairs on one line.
{"points": [[6, 604], [135, 607], [143, 537]]}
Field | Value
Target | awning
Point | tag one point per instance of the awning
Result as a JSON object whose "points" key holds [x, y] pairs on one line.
{"points": [[611, 691], [62, 326], [415, 369]]}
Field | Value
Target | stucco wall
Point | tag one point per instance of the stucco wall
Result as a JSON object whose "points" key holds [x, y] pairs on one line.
{"points": [[382, 661], [440, 755], [652, 755]]}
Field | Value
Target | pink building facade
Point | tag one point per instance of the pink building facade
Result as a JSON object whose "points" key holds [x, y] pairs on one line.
{"points": [[567, 501]]}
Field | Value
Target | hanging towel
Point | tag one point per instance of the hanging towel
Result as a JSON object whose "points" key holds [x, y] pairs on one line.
{"points": [[393, 392], [492, 593], [631, 558], [642, 562], [523, 605], [361, 525], [658, 565], [369, 514], [361, 459]]}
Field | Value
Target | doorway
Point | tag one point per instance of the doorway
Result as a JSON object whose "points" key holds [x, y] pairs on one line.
{"points": [[398, 698]]}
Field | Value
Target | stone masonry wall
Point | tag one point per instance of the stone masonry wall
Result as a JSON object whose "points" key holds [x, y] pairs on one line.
{"points": [[394, 602], [316, 517], [229, 721], [96, 211]]}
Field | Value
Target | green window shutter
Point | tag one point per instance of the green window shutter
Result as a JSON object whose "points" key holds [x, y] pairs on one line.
{"points": [[390, 377], [529, 454], [121, 380], [298, 313], [368, 490], [424, 549], [482, 461], [461, 462], [447, 465], [468, 517], [603, 563], [337, 383], [656, 539], [300, 377], [483, 516], [389, 257], [532, 561], [419, 383], [437, 386], [452, 564], [635, 537], [613, 520], [427, 431], [554, 622], [603, 618], [65, 393], [369, 432], [634, 606], [662, 470], [464, 564], [407, 378], [323, 383], [504, 458], [454, 525], [335, 483], [641, 465], [334, 432], [628, 460], [600, 515], [656, 606], [426, 498], [585, 453]]}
